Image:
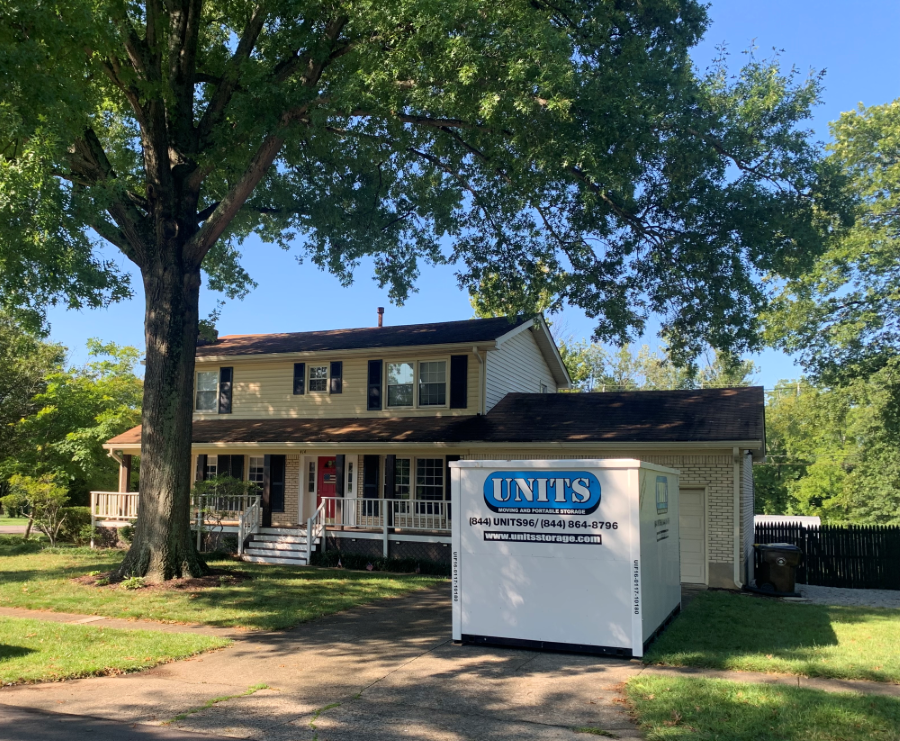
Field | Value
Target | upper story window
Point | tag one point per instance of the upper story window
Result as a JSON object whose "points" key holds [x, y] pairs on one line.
{"points": [[318, 378], [422, 384], [207, 391], [433, 383], [400, 384]]}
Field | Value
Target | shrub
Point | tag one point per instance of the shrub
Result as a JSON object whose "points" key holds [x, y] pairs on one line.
{"points": [[126, 534], [133, 582], [360, 562], [76, 525], [44, 498]]}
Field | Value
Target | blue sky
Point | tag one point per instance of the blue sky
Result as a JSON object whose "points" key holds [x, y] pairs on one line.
{"points": [[855, 43]]}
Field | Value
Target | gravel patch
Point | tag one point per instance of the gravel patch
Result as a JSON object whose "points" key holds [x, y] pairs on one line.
{"points": [[850, 597]]}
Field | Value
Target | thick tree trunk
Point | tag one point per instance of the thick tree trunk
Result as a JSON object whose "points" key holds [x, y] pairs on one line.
{"points": [[163, 548]]}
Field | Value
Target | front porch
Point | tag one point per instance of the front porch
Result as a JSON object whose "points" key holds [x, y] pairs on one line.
{"points": [[399, 528]]}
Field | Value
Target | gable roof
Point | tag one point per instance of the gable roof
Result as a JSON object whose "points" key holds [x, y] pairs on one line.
{"points": [[727, 416], [408, 335]]}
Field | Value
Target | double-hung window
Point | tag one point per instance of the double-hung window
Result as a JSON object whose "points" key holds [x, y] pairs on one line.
{"points": [[433, 383], [400, 384], [256, 471], [430, 479], [207, 391], [318, 378]]}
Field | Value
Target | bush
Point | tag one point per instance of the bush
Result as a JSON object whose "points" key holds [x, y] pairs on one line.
{"points": [[76, 526], [126, 534], [360, 562]]}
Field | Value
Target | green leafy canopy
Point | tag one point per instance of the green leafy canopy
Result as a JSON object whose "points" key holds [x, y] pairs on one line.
{"points": [[564, 149]]}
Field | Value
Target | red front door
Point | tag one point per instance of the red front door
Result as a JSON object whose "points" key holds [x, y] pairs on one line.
{"points": [[326, 486]]}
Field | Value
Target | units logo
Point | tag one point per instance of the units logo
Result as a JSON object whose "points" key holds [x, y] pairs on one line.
{"points": [[542, 492], [662, 495]]}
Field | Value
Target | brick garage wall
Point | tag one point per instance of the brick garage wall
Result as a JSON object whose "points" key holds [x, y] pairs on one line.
{"points": [[291, 514], [714, 472]]}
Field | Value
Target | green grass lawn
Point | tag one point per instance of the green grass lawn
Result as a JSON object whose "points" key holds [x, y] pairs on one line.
{"points": [[4, 521], [271, 598], [36, 650], [745, 633], [713, 709]]}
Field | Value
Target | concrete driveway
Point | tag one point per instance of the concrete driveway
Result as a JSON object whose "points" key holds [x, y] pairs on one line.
{"points": [[383, 672]]}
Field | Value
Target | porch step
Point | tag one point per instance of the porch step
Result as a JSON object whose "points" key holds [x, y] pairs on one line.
{"points": [[282, 530], [280, 538], [277, 545], [274, 559]]}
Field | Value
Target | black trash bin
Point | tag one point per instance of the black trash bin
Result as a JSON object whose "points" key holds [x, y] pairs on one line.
{"points": [[776, 572]]}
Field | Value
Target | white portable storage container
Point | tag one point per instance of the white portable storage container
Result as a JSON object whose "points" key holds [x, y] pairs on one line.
{"points": [[572, 555]]}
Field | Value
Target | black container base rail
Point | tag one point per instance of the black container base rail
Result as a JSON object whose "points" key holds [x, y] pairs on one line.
{"points": [[848, 556], [552, 646]]}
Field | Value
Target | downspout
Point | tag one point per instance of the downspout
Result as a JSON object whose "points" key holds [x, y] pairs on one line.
{"points": [[736, 454], [482, 391]]}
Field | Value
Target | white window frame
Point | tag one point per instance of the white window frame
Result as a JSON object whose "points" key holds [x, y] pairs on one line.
{"points": [[415, 383], [446, 362], [309, 378], [215, 409], [415, 362], [250, 468]]}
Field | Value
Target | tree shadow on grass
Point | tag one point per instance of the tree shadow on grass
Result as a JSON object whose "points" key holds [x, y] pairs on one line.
{"points": [[8, 651]]}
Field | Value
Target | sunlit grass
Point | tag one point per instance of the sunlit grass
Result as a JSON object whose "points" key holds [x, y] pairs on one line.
{"points": [[745, 633], [37, 650], [705, 709], [272, 598]]}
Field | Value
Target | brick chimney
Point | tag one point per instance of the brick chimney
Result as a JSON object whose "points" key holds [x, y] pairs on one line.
{"points": [[380, 316]]}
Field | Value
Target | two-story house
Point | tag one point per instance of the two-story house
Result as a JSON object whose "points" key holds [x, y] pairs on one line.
{"points": [[350, 432]]}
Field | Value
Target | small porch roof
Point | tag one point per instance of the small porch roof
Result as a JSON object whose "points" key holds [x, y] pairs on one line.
{"points": [[727, 417]]}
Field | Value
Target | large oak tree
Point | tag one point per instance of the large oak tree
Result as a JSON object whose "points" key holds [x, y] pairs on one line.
{"points": [[562, 148]]}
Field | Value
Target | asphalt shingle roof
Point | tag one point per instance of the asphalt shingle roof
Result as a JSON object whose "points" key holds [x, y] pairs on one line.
{"points": [[702, 415], [439, 333]]}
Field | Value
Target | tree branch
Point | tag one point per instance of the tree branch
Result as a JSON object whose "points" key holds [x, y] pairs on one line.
{"points": [[215, 111]]}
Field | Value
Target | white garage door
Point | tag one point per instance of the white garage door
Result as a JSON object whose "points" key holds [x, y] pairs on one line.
{"points": [[692, 522]]}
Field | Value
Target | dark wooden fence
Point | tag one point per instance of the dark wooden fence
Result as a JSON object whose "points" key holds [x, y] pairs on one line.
{"points": [[857, 557]]}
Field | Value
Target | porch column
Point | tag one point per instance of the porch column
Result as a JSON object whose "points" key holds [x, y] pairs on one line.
{"points": [[125, 473]]}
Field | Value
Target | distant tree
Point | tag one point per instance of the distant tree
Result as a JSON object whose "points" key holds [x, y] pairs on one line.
{"points": [[568, 147], [26, 361], [833, 452], [43, 500], [597, 368], [78, 410], [843, 317]]}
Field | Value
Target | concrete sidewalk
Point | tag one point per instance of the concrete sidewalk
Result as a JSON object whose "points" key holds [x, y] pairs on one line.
{"points": [[384, 671], [106, 622], [24, 724]]}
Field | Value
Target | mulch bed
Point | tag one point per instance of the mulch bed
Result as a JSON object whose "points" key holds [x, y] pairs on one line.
{"points": [[217, 578]]}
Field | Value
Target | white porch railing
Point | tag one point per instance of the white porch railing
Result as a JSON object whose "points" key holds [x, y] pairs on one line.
{"points": [[114, 506], [240, 511], [243, 511], [406, 514]]}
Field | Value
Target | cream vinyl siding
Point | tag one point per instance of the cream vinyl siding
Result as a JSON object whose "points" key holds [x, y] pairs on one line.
{"points": [[518, 365], [264, 389]]}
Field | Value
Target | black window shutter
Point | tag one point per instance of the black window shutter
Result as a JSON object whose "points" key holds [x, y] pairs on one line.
{"points": [[223, 465], [450, 458], [337, 378], [374, 401], [237, 467], [226, 375], [459, 381], [299, 378], [201, 467], [340, 471], [370, 476]]}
